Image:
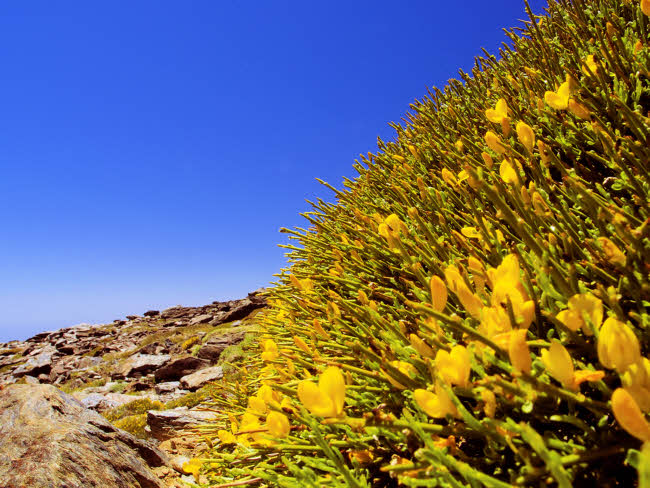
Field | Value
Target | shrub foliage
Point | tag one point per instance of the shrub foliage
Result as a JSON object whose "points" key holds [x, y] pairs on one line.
{"points": [[473, 311]]}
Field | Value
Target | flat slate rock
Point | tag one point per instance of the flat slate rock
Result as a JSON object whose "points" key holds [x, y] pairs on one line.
{"points": [[48, 439]]}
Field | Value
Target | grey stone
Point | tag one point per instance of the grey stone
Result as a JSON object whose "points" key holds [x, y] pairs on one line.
{"points": [[48, 439], [141, 364], [200, 319], [164, 424], [196, 380]]}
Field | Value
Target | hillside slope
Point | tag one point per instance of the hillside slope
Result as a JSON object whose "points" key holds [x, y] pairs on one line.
{"points": [[473, 311]]}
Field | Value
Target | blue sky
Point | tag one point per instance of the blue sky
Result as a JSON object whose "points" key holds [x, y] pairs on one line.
{"points": [[151, 150]]}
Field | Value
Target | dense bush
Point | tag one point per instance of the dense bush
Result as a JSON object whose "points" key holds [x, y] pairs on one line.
{"points": [[473, 311]]}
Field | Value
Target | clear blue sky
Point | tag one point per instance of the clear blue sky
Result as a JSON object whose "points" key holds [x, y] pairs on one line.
{"points": [[151, 150]]}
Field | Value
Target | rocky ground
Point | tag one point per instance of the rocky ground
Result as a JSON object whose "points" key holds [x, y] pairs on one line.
{"points": [[148, 375]]}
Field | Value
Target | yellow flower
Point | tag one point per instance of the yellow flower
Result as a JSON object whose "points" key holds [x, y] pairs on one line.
{"points": [[395, 224], [636, 381], [361, 457], [487, 159], [519, 352], [277, 424], [507, 288], [471, 232], [526, 135], [328, 397], [507, 172], [498, 113], [589, 64], [270, 350], [490, 401], [453, 277], [319, 328], [579, 110], [618, 346], [454, 367], [421, 347], [268, 395], [301, 344], [613, 254], [629, 416], [494, 142], [470, 301], [257, 405], [437, 405], [448, 177], [226, 437], [570, 318], [559, 364], [559, 100], [543, 152], [438, 293], [193, 466], [494, 321]]}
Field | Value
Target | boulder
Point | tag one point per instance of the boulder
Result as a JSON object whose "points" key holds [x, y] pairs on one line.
{"points": [[48, 439], [41, 363], [243, 308], [141, 364], [201, 319], [151, 313], [196, 380], [167, 387], [165, 424], [179, 367], [216, 344], [106, 401]]}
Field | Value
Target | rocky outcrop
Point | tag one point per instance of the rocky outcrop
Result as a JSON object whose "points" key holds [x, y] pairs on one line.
{"points": [[49, 439], [132, 371], [196, 380], [165, 424], [180, 367]]}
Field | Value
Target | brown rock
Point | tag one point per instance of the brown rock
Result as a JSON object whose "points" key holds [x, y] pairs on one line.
{"points": [[217, 343], [151, 313], [179, 367], [141, 364], [48, 439], [39, 364], [201, 319], [166, 423], [196, 380]]}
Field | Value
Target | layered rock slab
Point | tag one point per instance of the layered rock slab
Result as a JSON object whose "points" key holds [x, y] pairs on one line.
{"points": [[48, 439]]}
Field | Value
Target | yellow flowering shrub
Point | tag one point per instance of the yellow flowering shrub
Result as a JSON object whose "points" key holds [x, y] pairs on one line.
{"points": [[473, 310]]}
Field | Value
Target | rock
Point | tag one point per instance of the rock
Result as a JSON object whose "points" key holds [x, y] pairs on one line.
{"points": [[244, 308], [176, 312], [201, 319], [151, 313], [165, 424], [216, 344], [87, 362], [132, 317], [141, 364], [179, 367], [102, 402], [196, 380], [41, 363], [167, 387], [48, 439], [30, 380], [177, 463]]}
